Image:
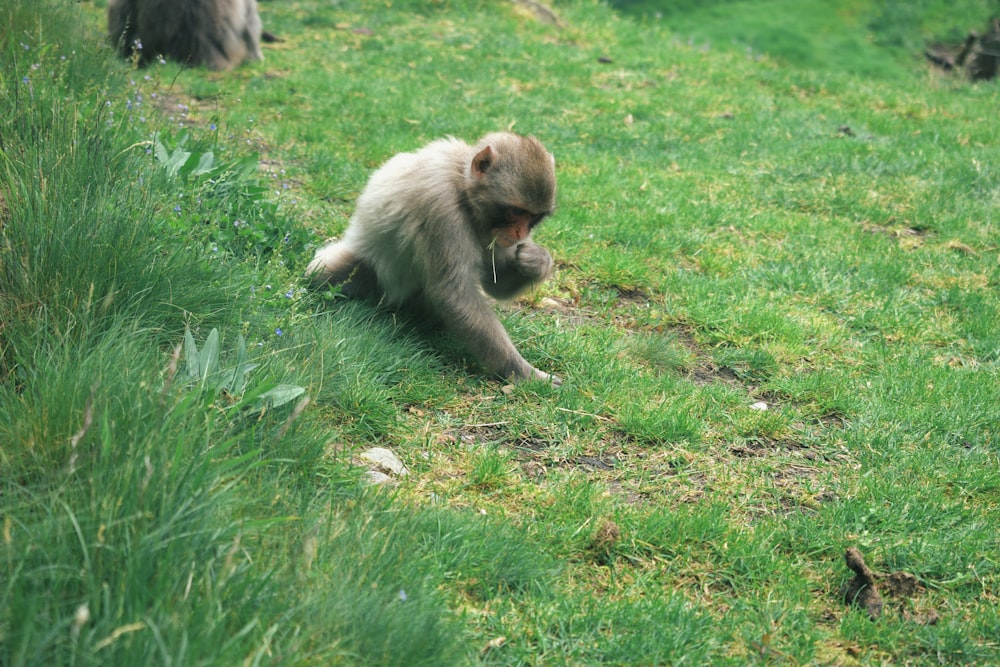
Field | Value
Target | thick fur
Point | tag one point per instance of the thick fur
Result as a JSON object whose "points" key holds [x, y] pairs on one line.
{"points": [[219, 34], [426, 227]]}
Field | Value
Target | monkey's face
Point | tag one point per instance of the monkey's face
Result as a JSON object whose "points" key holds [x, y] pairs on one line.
{"points": [[512, 187]]}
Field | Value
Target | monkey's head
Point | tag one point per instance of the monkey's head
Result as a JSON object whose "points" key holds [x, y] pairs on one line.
{"points": [[512, 187]]}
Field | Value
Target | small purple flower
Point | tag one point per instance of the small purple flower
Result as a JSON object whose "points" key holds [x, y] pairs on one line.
{"points": [[289, 294], [177, 209], [25, 79], [278, 332], [212, 127]]}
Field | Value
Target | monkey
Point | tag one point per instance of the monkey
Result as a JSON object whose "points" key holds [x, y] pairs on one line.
{"points": [[219, 34], [444, 226]]}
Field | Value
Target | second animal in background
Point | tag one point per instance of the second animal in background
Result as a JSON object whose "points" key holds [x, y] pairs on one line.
{"points": [[219, 34], [441, 226]]}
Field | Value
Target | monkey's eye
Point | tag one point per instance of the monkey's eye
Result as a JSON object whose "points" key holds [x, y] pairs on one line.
{"points": [[517, 215], [535, 219]]}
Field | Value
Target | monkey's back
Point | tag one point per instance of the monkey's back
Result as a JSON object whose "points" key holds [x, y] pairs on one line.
{"points": [[405, 217], [219, 34]]}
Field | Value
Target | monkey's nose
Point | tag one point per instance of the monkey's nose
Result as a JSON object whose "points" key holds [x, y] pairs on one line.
{"points": [[505, 241]]}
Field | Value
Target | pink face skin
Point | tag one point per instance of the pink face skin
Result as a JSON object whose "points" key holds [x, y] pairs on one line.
{"points": [[518, 228]]}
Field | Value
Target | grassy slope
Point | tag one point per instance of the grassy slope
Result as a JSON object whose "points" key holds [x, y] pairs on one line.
{"points": [[883, 40], [730, 231]]}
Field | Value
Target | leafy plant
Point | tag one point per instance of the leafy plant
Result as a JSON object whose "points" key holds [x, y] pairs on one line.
{"points": [[226, 200], [204, 370]]}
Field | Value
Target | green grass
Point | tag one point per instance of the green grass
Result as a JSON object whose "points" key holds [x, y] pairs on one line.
{"points": [[814, 230], [883, 40]]}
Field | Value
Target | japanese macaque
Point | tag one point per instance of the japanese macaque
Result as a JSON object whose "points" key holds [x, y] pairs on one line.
{"points": [[441, 226], [219, 34]]}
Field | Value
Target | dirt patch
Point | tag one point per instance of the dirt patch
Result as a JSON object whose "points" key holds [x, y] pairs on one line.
{"points": [[862, 590], [631, 295], [568, 312], [630, 495], [603, 540], [707, 372], [763, 446], [532, 452], [907, 235], [184, 110], [903, 585], [591, 463], [703, 370], [832, 419]]}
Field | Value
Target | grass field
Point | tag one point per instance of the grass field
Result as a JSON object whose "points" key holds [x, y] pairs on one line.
{"points": [[776, 310]]}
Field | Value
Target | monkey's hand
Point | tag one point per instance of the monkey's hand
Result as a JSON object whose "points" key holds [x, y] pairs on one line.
{"points": [[533, 261], [551, 378]]}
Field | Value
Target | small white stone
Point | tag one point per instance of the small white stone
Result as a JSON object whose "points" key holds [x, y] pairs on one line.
{"points": [[759, 405], [376, 477], [385, 460]]}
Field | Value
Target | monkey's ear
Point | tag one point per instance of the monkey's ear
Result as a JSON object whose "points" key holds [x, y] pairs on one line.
{"points": [[483, 161]]}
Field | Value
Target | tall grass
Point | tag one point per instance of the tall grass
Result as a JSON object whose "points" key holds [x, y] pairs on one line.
{"points": [[84, 245]]}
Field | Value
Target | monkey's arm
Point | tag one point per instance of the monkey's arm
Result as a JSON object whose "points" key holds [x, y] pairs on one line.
{"points": [[508, 273], [468, 315]]}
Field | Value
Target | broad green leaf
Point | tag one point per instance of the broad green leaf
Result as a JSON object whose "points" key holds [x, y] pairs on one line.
{"points": [[210, 355], [282, 394]]}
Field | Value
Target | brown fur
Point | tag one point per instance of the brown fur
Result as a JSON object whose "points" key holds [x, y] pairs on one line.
{"points": [[219, 34]]}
